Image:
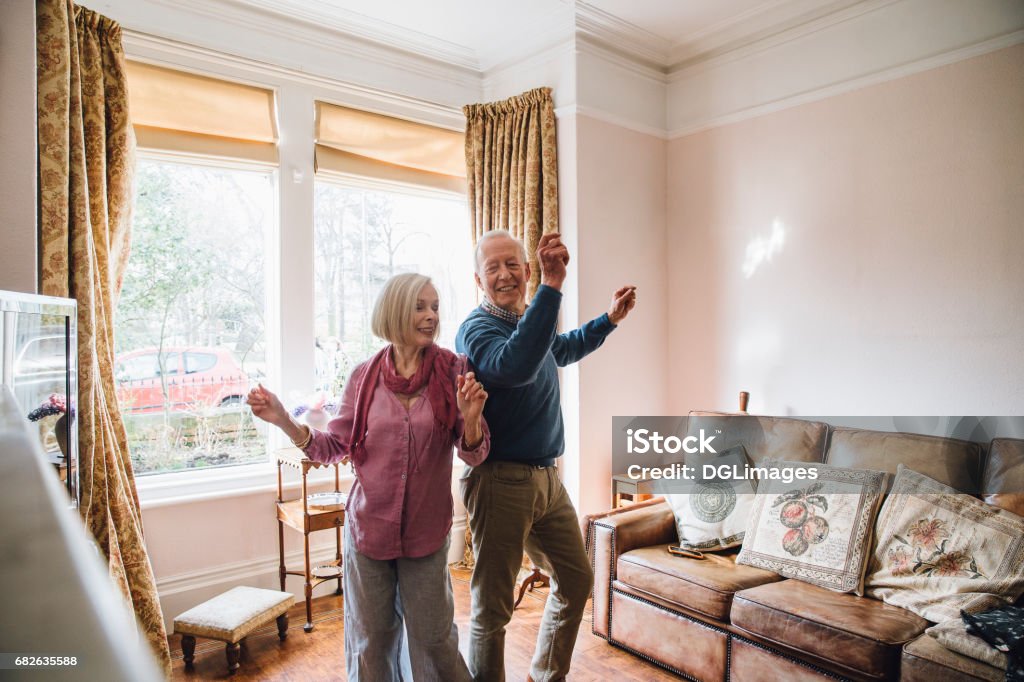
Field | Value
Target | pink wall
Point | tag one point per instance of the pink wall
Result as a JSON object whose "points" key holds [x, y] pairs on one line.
{"points": [[620, 185], [894, 282]]}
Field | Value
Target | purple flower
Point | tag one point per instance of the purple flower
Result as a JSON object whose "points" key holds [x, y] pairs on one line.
{"points": [[56, 404]]}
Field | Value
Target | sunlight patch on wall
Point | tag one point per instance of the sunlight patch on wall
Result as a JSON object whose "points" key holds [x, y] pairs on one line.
{"points": [[761, 249]]}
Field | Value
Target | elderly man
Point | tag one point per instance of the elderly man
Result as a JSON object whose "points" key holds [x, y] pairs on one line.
{"points": [[515, 499]]}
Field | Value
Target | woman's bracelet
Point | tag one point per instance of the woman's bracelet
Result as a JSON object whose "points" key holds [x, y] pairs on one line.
{"points": [[305, 441]]}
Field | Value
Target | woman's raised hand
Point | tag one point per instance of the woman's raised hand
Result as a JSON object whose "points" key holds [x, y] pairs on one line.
{"points": [[471, 397], [267, 406]]}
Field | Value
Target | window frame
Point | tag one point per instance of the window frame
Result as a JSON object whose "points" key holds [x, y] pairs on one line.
{"points": [[290, 328], [360, 182], [172, 487]]}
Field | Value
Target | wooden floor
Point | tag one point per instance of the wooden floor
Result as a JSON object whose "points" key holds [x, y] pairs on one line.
{"points": [[318, 655]]}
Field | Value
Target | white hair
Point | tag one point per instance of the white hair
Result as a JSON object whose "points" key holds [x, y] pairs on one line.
{"points": [[495, 234]]}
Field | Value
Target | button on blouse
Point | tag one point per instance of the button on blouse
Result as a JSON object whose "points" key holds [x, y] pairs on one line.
{"points": [[400, 504]]}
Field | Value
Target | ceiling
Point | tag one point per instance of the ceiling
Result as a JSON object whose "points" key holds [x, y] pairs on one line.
{"points": [[479, 33]]}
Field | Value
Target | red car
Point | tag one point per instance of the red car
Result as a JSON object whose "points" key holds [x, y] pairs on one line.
{"points": [[193, 378]]}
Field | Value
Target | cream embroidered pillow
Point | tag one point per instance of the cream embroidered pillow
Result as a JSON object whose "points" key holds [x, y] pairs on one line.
{"points": [[954, 636], [940, 551], [817, 530], [713, 514]]}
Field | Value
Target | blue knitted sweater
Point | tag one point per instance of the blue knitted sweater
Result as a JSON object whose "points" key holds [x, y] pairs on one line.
{"points": [[517, 364]]}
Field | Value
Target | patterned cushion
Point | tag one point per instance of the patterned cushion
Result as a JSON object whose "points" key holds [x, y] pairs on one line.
{"points": [[939, 551], [817, 531], [713, 514], [1003, 628], [954, 636], [233, 615]]}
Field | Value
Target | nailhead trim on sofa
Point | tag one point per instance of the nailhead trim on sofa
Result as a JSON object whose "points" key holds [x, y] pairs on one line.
{"points": [[729, 635]]}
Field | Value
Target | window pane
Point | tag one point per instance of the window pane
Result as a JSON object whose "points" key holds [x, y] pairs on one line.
{"points": [[363, 237], [193, 289], [199, 362]]}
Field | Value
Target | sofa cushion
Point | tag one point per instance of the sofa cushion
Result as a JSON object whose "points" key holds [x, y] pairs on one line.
{"points": [[763, 437], [1002, 484], [938, 552], [954, 636], [705, 586], [956, 463], [925, 660], [819, 530], [712, 514], [859, 633]]}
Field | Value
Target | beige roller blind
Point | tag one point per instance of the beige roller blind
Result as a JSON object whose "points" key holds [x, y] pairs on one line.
{"points": [[178, 111], [373, 145]]}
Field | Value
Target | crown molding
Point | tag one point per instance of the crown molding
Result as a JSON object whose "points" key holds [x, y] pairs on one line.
{"points": [[295, 18], [332, 39], [806, 25], [815, 94], [585, 44], [750, 27], [165, 51], [331, 16], [620, 36]]}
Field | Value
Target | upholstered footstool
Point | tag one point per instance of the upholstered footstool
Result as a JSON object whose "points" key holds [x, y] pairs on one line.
{"points": [[230, 617]]}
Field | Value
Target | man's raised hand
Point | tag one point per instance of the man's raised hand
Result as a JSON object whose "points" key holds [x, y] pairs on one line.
{"points": [[554, 257], [623, 301]]}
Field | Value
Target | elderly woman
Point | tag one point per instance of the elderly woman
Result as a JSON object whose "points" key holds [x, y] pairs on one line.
{"points": [[402, 412]]}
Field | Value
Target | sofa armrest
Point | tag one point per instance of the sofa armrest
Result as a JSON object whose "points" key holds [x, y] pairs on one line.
{"points": [[613, 533]]}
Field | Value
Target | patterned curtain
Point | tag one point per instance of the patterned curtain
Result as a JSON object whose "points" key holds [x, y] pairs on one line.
{"points": [[512, 181], [512, 169], [86, 162]]}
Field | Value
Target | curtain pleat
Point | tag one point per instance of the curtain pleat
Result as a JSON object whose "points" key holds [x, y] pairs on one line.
{"points": [[512, 169], [86, 164]]}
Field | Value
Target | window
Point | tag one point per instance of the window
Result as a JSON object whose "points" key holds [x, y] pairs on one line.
{"points": [[192, 318], [190, 325], [365, 233]]}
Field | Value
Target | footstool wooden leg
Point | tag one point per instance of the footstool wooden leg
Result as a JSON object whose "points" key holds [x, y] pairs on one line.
{"points": [[188, 647], [282, 626], [234, 654]]}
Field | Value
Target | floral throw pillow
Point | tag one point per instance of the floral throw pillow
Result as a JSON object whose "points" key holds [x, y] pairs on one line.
{"points": [[817, 530], [713, 513], [939, 551]]}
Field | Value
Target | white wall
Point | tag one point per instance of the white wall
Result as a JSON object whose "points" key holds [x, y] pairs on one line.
{"points": [[18, 140], [895, 282], [620, 196]]}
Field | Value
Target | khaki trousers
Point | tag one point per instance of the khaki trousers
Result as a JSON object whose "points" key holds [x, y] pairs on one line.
{"points": [[513, 507]]}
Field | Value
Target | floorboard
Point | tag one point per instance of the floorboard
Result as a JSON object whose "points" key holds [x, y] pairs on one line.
{"points": [[318, 655]]}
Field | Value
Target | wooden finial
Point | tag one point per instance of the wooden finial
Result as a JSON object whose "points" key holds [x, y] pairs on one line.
{"points": [[744, 399]]}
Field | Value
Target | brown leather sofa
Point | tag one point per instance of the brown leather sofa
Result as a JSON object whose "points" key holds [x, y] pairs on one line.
{"points": [[716, 620]]}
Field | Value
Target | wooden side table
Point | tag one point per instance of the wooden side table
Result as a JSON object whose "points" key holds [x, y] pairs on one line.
{"points": [[626, 490], [297, 514]]}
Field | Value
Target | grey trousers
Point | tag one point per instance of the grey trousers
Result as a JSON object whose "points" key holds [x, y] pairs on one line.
{"points": [[379, 596], [513, 507]]}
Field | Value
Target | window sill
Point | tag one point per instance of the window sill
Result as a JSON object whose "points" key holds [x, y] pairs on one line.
{"points": [[164, 490]]}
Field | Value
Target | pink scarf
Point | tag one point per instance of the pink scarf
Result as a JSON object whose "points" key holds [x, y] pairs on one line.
{"points": [[435, 372]]}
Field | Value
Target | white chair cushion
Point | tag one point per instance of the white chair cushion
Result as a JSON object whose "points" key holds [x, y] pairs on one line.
{"points": [[233, 615]]}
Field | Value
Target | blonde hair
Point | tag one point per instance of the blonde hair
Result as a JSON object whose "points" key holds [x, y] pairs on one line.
{"points": [[395, 306]]}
